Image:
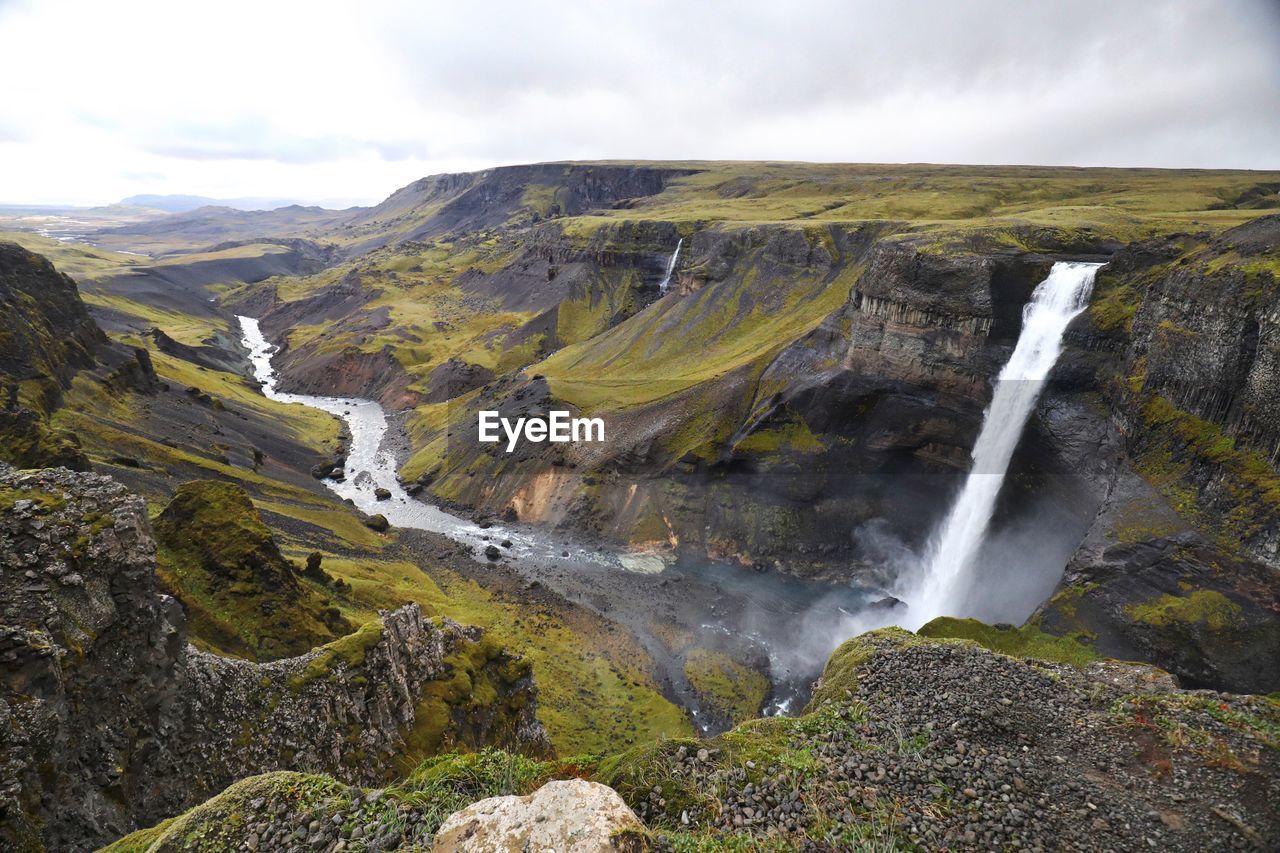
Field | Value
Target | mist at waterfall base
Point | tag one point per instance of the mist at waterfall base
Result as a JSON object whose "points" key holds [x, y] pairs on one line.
{"points": [[969, 567]]}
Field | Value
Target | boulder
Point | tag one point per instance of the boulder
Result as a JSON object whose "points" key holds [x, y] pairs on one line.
{"points": [[560, 817], [377, 522]]}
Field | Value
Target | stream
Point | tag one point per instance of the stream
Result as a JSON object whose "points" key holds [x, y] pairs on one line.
{"points": [[795, 623]]}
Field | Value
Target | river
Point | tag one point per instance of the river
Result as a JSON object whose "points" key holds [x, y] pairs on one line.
{"points": [[795, 623]]}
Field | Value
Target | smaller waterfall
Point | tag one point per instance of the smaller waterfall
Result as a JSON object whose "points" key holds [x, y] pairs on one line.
{"points": [[1055, 302], [671, 267]]}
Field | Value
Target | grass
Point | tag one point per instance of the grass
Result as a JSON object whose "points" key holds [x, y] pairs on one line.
{"points": [[1027, 641], [686, 342], [1210, 607], [736, 691], [78, 260], [1128, 201], [215, 555]]}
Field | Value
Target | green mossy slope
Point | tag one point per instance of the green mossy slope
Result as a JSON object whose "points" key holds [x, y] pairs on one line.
{"points": [[242, 597]]}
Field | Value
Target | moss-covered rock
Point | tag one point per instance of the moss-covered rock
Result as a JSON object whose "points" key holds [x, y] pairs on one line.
{"points": [[1027, 641], [266, 812], [46, 335], [1177, 602], [481, 698], [727, 689], [242, 597]]}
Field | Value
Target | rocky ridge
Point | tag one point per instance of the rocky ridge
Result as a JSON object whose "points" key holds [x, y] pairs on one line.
{"points": [[111, 720], [909, 743], [46, 338], [948, 746]]}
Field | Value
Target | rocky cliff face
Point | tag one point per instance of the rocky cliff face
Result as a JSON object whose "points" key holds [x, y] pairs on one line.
{"points": [[909, 743], [944, 745], [1202, 370], [1179, 566], [474, 201], [47, 334], [46, 337], [863, 408], [110, 719]]}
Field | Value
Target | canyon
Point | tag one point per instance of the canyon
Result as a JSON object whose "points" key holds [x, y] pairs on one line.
{"points": [[793, 365]]}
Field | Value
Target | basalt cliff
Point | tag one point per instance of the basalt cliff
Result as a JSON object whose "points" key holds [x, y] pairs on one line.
{"points": [[112, 720]]}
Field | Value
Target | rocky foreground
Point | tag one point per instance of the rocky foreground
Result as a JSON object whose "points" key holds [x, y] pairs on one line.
{"points": [[110, 720], [909, 744]]}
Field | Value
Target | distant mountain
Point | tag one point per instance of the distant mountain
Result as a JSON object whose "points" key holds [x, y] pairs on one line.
{"points": [[184, 203], [209, 225]]}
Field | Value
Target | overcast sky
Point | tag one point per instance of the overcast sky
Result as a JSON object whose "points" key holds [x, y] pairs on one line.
{"points": [[322, 101]]}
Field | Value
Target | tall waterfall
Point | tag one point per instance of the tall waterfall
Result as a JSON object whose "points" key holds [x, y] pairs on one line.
{"points": [[1056, 300], [671, 266]]}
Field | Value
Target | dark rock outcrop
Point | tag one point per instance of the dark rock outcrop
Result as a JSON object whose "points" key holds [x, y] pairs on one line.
{"points": [[947, 746], [1179, 567], [110, 719], [210, 357], [46, 338], [46, 334]]}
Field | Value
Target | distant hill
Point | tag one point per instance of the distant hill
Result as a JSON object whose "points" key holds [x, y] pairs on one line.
{"points": [[215, 224], [184, 203]]}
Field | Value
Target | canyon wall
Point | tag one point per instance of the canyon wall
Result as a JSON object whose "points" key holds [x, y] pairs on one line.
{"points": [[110, 720]]}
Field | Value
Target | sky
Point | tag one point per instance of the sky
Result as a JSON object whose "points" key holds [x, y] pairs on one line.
{"points": [[341, 103]]}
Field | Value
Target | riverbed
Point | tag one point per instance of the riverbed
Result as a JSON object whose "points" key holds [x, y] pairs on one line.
{"points": [[792, 623]]}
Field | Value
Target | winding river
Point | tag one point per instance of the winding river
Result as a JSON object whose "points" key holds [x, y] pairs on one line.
{"points": [[370, 466], [795, 623]]}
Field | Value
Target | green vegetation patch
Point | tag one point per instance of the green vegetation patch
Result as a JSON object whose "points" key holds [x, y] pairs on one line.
{"points": [[221, 823], [1176, 441], [243, 598], [793, 434], [596, 690], [345, 652], [479, 684], [1210, 607], [734, 690], [1025, 642]]}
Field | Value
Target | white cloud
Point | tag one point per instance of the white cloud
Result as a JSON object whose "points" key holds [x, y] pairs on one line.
{"points": [[328, 100]]}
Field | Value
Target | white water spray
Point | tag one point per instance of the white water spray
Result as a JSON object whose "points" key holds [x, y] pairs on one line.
{"points": [[671, 266], [1055, 302]]}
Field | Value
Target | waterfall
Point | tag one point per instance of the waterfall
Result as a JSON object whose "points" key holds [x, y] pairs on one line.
{"points": [[671, 266], [1056, 300]]}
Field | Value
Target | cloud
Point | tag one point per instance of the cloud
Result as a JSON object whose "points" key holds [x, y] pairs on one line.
{"points": [[260, 140], [333, 99]]}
